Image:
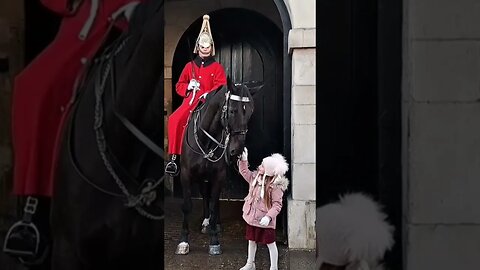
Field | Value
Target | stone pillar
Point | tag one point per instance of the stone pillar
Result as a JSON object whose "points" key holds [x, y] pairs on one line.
{"points": [[441, 112], [301, 203]]}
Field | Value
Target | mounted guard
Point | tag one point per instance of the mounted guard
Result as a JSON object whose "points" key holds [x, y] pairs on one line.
{"points": [[198, 78]]}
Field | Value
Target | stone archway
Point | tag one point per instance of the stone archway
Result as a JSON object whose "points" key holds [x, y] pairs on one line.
{"points": [[249, 50], [180, 15]]}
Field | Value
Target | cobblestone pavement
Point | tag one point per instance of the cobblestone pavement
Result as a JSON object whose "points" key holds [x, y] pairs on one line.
{"points": [[234, 245], [232, 239]]}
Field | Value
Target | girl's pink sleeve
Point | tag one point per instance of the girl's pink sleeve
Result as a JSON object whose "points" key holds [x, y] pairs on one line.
{"points": [[277, 195], [244, 171]]}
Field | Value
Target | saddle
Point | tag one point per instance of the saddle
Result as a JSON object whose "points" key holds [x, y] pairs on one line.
{"points": [[24, 241]]}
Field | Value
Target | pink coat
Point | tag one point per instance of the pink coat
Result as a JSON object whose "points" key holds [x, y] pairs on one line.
{"points": [[254, 207]]}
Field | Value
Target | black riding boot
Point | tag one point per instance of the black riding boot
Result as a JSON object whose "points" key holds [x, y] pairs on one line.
{"points": [[172, 166]]}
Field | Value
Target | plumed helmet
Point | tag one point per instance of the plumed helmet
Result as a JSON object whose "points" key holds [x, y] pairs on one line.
{"points": [[205, 38]]}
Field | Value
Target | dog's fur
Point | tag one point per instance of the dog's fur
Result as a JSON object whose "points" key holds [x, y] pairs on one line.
{"points": [[352, 233]]}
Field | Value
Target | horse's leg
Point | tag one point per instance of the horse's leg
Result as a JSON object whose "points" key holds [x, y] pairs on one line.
{"points": [[216, 187], [217, 211], [204, 188], [183, 247], [187, 210]]}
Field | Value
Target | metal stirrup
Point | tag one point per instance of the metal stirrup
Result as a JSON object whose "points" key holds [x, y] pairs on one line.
{"points": [[171, 167], [24, 225]]}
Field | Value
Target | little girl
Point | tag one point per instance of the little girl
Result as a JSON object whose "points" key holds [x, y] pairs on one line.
{"points": [[262, 204]]}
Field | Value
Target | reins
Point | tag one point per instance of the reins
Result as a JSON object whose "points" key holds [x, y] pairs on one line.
{"points": [[226, 134], [148, 193]]}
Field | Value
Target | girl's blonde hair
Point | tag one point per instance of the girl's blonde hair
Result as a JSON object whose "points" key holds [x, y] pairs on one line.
{"points": [[268, 195]]}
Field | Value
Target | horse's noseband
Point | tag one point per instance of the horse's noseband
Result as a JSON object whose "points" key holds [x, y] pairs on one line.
{"points": [[238, 98]]}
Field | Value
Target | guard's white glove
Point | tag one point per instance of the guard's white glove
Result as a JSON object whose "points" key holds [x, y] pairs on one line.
{"points": [[265, 220], [193, 84], [244, 155], [204, 95]]}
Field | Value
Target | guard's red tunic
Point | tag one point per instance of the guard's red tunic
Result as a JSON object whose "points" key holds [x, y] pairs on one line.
{"points": [[43, 89], [211, 75]]}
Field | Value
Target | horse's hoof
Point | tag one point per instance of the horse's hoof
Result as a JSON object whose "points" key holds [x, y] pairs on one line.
{"points": [[183, 248], [214, 250]]}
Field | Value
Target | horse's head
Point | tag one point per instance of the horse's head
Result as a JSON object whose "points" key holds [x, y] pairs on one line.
{"points": [[218, 127], [239, 109]]}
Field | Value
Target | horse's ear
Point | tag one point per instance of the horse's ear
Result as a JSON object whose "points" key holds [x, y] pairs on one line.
{"points": [[229, 83], [254, 87]]}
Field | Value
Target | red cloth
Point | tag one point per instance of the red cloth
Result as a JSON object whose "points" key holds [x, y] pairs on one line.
{"points": [[42, 92], [260, 235], [211, 75]]}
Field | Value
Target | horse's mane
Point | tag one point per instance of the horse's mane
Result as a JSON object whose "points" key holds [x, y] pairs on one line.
{"points": [[140, 67], [220, 90], [143, 13], [136, 91], [224, 88]]}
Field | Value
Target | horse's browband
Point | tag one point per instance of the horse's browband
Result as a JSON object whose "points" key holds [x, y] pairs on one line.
{"points": [[238, 98]]}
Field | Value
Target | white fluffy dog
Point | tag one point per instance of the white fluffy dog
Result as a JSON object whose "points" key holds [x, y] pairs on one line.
{"points": [[352, 234]]}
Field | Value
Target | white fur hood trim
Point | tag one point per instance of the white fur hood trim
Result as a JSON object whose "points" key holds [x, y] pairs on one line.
{"points": [[281, 181]]}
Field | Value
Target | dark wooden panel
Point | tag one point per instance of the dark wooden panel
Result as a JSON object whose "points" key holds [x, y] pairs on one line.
{"points": [[358, 99]]}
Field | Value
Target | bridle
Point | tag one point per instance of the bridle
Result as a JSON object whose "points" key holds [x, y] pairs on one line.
{"points": [[148, 192], [209, 154], [235, 98]]}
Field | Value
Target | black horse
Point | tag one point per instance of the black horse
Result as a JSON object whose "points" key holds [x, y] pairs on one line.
{"points": [[107, 210], [215, 134]]}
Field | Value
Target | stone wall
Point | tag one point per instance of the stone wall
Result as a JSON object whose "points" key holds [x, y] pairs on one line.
{"points": [[441, 133], [301, 204]]}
